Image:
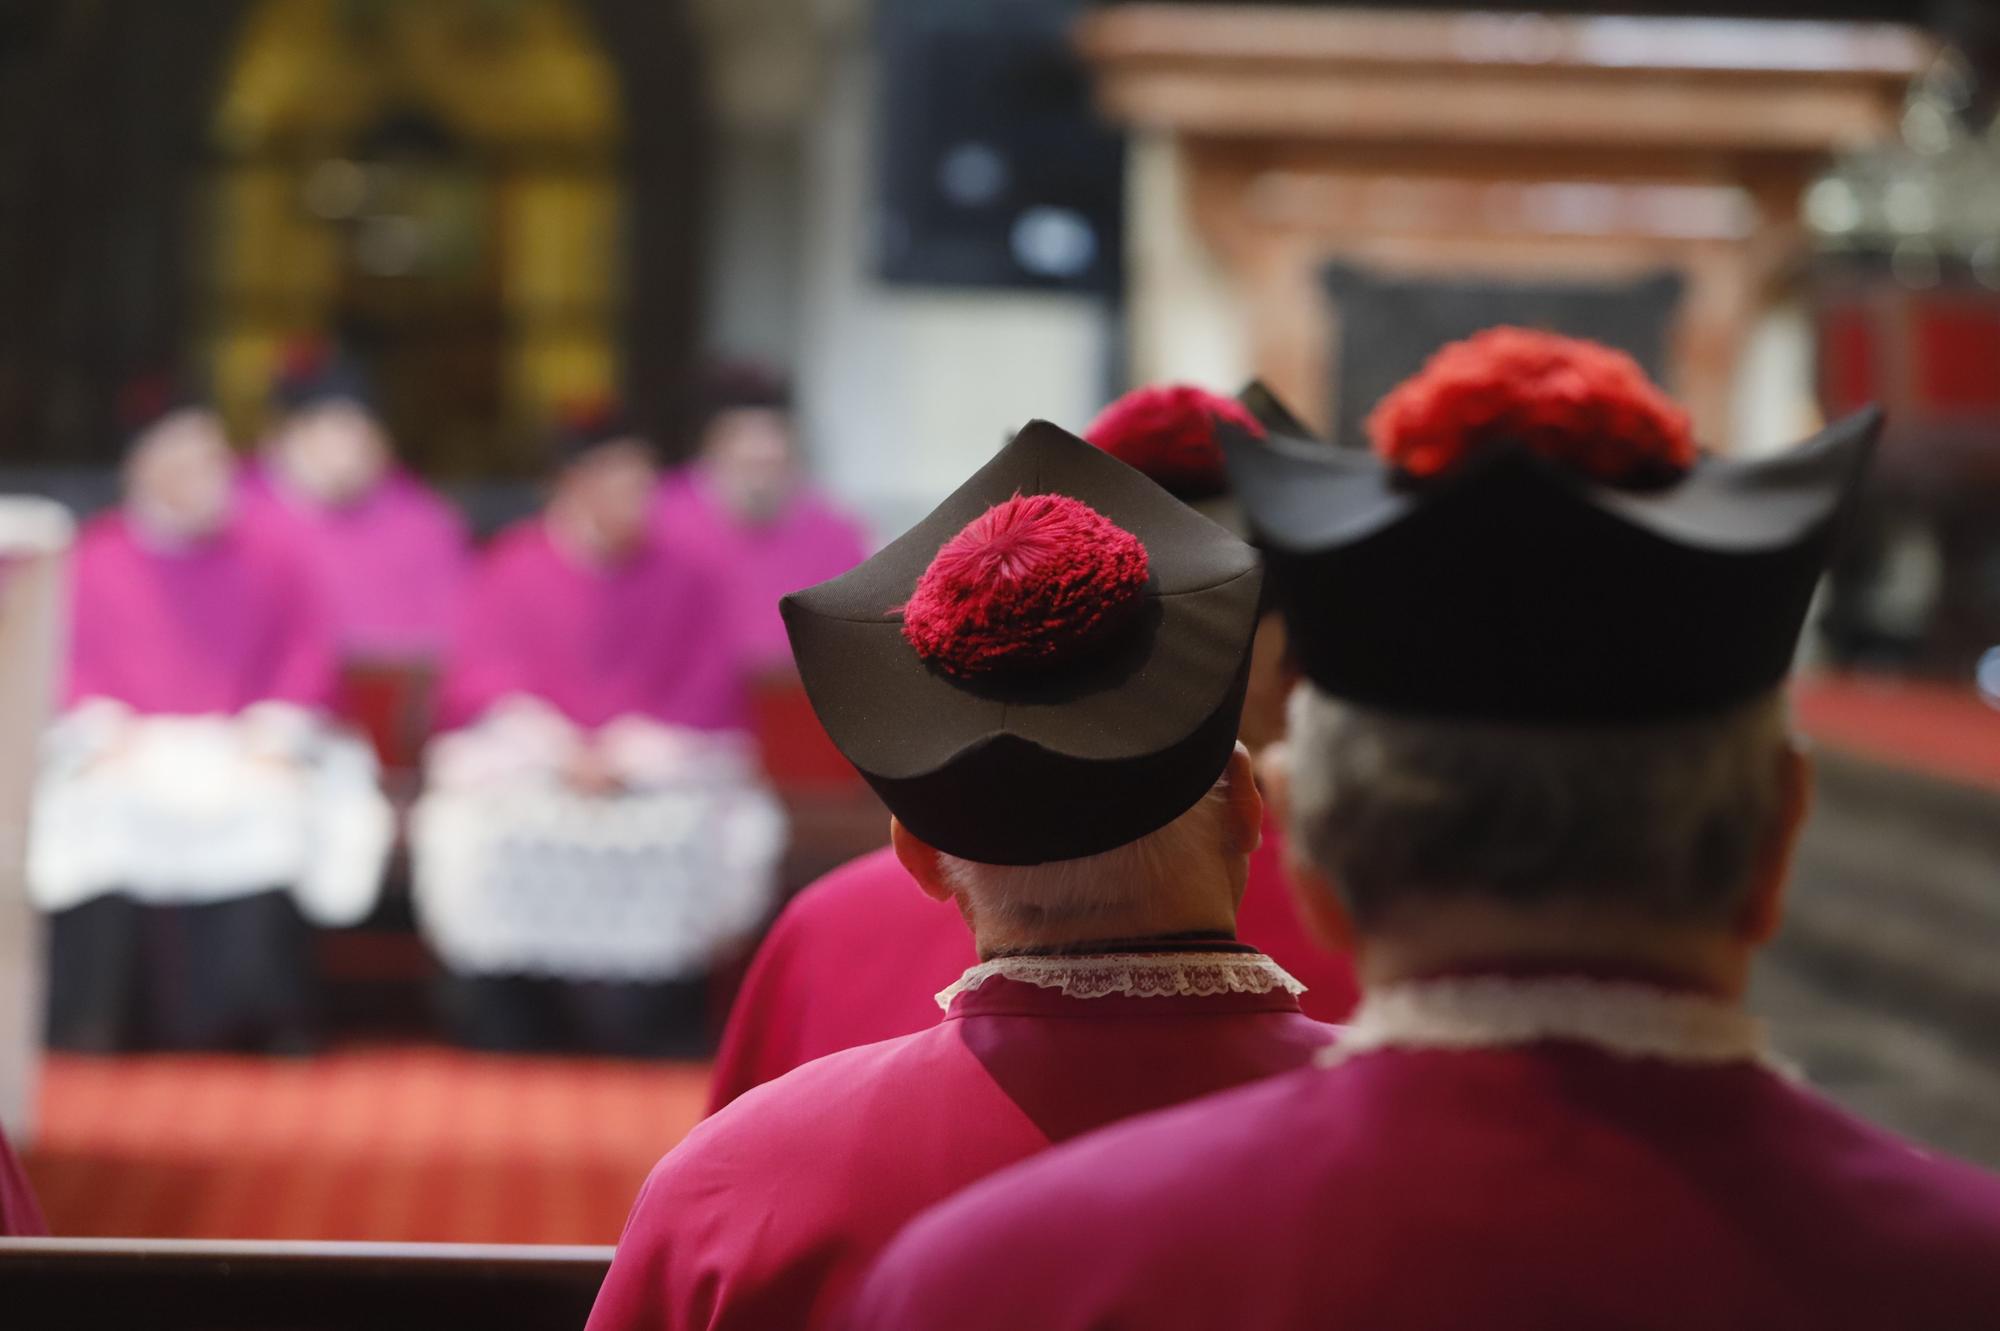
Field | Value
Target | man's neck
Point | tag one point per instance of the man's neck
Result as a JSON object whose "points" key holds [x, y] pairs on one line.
{"points": [[1120, 930], [1471, 936]]}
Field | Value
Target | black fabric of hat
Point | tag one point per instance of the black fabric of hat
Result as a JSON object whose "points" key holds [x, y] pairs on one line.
{"points": [[1061, 753], [584, 427], [147, 399], [1510, 587], [313, 374], [1271, 412]]}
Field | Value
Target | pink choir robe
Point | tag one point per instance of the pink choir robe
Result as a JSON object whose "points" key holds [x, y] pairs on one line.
{"points": [[392, 562], [768, 1211], [652, 636], [1561, 1185], [210, 627], [856, 957], [20, 1217], [814, 987], [810, 541]]}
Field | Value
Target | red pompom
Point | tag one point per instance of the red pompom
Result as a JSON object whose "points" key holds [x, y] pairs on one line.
{"points": [[1579, 404], [142, 401], [1168, 432], [1028, 583], [304, 356]]}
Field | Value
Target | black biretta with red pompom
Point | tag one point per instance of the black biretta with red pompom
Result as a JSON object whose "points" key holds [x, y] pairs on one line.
{"points": [[586, 425], [1535, 539], [1049, 666], [145, 400], [313, 372]]}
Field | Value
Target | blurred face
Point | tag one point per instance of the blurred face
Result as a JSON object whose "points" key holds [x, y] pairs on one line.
{"points": [[606, 496], [333, 453], [180, 475], [748, 455]]}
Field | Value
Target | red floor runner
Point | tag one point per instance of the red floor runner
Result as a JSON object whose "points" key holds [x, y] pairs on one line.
{"points": [[392, 1144], [432, 1144], [1927, 728]]}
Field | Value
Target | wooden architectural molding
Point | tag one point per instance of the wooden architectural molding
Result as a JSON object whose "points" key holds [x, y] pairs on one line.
{"points": [[1500, 145]]}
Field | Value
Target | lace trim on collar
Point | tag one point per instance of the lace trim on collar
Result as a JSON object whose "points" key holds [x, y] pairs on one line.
{"points": [[1492, 1012], [1138, 975]]}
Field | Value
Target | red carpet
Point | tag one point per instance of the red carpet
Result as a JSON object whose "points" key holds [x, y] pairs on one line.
{"points": [[430, 1144], [1927, 728], [392, 1144]]}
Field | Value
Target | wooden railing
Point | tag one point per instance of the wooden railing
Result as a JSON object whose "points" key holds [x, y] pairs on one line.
{"points": [[196, 1285]]}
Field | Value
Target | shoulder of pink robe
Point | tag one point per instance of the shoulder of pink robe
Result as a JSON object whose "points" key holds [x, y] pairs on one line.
{"points": [[766, 1214], [489, 657], [856, 957], [231, 622], [392, 563], [654, 637], [750, 1220], [20, 1217], [812, 540], [1551, 1186]]}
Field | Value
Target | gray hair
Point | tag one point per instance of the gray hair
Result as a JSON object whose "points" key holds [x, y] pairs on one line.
{"points": [[1106, 883], [1665, 818]]}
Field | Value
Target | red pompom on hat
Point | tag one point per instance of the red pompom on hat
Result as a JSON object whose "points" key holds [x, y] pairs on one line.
{"points": [[1168, 432], [1579, 404], [305, 356], [1027, 584]]}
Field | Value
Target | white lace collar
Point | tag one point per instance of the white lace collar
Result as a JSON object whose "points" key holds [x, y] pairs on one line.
{"points": [[1135, 974], [1493, 1011]]}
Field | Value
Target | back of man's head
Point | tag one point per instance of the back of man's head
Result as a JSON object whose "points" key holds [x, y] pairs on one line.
{"points": [[1185, 875], [1669, 821]]}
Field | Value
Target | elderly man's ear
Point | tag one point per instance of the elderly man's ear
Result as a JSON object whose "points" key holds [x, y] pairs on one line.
{"points": [[1244, 818], [920, 859]]}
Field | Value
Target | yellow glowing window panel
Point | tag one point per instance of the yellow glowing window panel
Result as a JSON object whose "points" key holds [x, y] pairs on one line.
{"points": [[438, 184]]}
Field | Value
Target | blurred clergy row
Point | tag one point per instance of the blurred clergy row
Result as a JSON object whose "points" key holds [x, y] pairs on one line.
{"points": [[593, 826]]}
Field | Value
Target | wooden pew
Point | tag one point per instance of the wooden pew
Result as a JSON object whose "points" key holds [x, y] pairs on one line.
{"points": [[200, 1285]]}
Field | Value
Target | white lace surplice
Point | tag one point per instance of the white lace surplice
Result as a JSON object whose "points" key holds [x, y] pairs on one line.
{"points": [[517, 874], [189, 809], [1134, 975]]}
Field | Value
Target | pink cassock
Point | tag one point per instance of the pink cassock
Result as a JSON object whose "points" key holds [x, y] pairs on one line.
{"points": [[768, 1211], [810, 541], [1559, 1185], [20, 1217], [210, 627], [393, 562], [652, 636], [856, 957]]}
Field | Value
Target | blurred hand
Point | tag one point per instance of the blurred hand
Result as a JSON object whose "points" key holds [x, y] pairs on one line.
{"points": [[276, 762], [588, 773], [112, 754]]}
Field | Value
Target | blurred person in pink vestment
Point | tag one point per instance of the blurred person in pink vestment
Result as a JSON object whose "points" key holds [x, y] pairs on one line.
{"points": [[746, 496], [595, 830], [390, 552], [196, 813]]}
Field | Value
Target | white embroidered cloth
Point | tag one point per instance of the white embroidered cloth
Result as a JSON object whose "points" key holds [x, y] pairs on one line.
{"points": [[515, 874], [1494, 1011], [1137, 975], [186, 809]]}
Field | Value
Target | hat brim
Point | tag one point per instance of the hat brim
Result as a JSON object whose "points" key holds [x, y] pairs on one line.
{"points": [[1026, 768], [1513, 590]]}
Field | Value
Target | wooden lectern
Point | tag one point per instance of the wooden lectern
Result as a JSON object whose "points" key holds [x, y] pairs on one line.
{"points": [[1490, 146]]}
